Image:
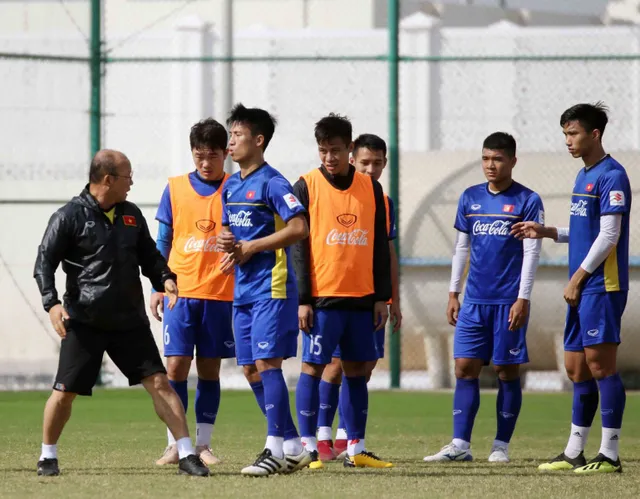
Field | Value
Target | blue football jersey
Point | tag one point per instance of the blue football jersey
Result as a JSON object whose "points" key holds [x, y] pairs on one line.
{"points": [[496, 256], [600, 190], [255, 207]]}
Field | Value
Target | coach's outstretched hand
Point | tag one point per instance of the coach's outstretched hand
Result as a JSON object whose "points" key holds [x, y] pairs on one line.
{"points": [[453, 309], [156, 305], [380, 314], [518, 314], [529, 230], [58, 315], [171, 289]]}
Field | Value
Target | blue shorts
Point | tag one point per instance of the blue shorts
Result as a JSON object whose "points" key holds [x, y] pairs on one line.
{"points": [[266, 329], [380, 338], [351, 330], [482, 332], [596, 319], [201, 324]]}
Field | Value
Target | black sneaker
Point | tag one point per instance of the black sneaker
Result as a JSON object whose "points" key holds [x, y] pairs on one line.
{"points": [[48, 467], [192, 465], [563, 462]]}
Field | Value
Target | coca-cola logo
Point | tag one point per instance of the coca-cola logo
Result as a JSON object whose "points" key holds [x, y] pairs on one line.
{"points": [[357, 237], [205, 225], [495, 228], [579, 208], [195, 245], [347, 219], [241, 219]]}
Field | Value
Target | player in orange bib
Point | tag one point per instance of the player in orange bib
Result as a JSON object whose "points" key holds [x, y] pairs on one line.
{"points": [[189, 217], [369, 157], [344, 282]]}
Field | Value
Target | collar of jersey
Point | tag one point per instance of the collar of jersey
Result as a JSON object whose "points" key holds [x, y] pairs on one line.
{"points": [[254, 171], [597, 163], [486, 186]]}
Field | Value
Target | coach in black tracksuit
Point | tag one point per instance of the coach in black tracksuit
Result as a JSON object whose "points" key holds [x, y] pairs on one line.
{"points": [[102, 242]]}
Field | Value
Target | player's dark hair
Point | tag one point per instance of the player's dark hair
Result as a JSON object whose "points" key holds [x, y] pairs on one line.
{"points": [[332, 127], [501, 141], [208, 134], [590, 116], [371, 142], [103, 163], [259, 121]]}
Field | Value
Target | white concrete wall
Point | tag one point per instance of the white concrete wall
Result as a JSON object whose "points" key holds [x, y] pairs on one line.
{"points": [[449, 106]]}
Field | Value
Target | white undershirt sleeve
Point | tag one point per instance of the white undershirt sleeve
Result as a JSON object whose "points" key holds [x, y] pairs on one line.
{"points": [[563, 235], [459, 261], [610, 227], [530, 262]]}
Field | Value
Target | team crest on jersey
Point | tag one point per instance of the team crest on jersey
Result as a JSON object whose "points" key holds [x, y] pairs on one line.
{"points": [[205, 225], [589, 187], [508, 208], [347, 219], [251, 194]]}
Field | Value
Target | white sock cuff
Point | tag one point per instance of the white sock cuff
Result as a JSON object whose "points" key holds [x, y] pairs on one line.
{"points": [[324, 433], [49, 452], [461, 444], [185, 447]]}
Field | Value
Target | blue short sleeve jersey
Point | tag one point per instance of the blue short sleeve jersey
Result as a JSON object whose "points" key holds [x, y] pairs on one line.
{"points": [[600, 190], [496, 256], [256, 207]]}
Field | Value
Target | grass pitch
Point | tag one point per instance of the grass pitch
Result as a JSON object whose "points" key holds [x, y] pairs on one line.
{"points": [[110, 445]]}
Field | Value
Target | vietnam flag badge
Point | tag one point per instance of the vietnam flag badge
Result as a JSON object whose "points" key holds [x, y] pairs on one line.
{"points": [[129, 220]]}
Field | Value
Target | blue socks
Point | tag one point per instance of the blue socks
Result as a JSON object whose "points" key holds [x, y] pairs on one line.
{"points": [[276, 401], [329, 399], [181, 389], [612, 401], [258, 392], [585, 403], [207, 401], [307, 404], [466, 401], [290, 430], [341, 421], [355, 405], [508, 408]]}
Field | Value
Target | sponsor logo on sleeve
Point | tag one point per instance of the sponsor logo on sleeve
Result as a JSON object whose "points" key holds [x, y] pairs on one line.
{"points": [[616, 198], [292, 201]]}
